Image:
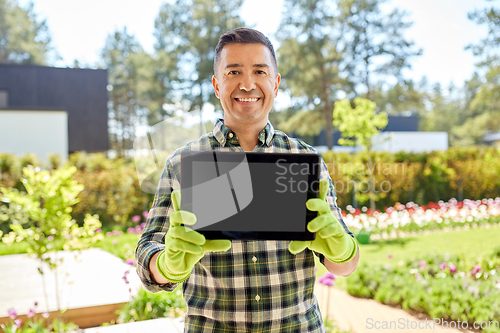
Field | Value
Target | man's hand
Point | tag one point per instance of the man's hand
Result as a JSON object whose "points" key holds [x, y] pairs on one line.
{"points": [[331, 238], [184, 247]]}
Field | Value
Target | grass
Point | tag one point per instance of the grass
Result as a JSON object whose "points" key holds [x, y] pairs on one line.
{"points": [[472, 243], [121, 246]]}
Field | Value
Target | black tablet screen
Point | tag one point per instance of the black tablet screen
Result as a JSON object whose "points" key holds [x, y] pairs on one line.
{"points": [[264, 197]]}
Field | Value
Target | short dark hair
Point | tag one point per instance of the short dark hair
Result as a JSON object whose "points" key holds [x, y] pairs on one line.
{"points": [[243, 35]]}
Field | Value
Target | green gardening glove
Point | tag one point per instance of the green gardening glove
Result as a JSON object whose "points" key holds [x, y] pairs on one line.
{"points": [[331, 238], [184, 247]]}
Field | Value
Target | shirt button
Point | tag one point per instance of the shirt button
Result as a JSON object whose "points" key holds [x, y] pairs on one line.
{"points": [[257, 298], [254, 259], [230, 135]]}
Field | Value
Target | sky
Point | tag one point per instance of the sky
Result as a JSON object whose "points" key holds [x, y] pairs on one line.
{"points": [[441, 28]]}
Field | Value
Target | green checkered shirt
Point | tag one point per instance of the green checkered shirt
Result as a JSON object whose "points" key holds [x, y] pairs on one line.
{"points": [[256, 286]]}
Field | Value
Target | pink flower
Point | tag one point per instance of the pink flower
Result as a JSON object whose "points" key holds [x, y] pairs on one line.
{"points": [[12, 313], [136, 218], [453, 269], [422, 264], [476, 269], [45, 315], [145, 214], [50, 238], [30, 313], [143, 224], [98, 230], [130, 262], [389, 256], [418, 276], [330, 276], [442, 266], [115, 242], [18, 323], [328, 282], [130, 230]]}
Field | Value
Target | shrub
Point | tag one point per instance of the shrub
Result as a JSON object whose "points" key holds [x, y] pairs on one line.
{"points": [[147, 305]]}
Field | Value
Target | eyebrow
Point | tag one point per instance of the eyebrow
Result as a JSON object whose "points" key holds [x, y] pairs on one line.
{"points": [[239, 65]]}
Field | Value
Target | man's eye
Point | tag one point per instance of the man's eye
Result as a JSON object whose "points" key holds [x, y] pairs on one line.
{"points": [[233, 72], [261, 72]]}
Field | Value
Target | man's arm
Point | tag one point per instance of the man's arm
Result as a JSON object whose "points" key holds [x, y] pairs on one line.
{"points": [[153, 270], [344, 269]]}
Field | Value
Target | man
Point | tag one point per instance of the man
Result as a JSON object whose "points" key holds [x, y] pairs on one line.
{"points": [[243, 286]]}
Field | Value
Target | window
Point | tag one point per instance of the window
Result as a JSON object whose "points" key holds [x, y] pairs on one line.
{"points": [[4, 99]]}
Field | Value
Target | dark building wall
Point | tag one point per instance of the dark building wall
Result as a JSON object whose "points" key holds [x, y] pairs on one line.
{"points": [[81, 92]]}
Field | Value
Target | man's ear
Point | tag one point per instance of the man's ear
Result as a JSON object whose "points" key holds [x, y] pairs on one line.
{"points": [[277, 84], [216, 86]]}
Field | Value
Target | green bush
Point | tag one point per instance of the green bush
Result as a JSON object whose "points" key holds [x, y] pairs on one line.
{"points": [[147, 305]]}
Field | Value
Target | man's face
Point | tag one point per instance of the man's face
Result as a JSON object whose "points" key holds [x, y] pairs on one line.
{"points": [[246, 83]]}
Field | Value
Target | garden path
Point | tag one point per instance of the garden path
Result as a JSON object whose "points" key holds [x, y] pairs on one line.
{"points": [[360, 315]]}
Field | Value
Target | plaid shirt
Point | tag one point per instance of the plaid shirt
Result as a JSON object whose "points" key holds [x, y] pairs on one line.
{"points": [[256, 286]]}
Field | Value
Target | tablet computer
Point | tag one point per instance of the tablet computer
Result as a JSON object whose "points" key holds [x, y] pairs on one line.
{"points": [[248, 195]]}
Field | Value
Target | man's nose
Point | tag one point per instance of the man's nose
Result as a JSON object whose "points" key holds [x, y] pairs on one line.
{"points": [[247, 82]]}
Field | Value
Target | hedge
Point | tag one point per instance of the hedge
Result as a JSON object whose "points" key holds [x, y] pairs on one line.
{"points": [[112, 190]]}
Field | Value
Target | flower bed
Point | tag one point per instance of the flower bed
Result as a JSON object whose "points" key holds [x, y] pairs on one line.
{"points": [[411, 217], [451, 288]]}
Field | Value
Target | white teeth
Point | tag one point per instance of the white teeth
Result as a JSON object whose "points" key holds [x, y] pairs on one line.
{"points": [[247, 99]]}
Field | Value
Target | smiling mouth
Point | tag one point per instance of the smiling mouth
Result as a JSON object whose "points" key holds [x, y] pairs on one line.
{"points": [[247, 99]]}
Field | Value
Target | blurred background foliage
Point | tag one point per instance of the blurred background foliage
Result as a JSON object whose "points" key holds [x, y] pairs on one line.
{"points": [[112, 189], [326, 50]]}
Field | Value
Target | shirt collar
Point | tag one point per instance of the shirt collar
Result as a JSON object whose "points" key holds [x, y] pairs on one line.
{"points": [[221, 133]]}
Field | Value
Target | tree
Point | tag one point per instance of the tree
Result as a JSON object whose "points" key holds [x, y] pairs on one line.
{"points": [[358, 126], [309, 61], [487, 47], [131, 78], [187, 32], [375, 42], [24, 38]]}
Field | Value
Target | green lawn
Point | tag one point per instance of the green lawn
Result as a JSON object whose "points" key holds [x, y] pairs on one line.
{"points": [[473, 243]]}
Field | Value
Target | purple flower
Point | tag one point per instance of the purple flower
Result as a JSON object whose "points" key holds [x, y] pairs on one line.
{"points": [[442, 266], [136, 218], [330, 276], [328, 282], [130, 262], [145, 214], [138, 230], [422, 264], [130, 230], [30, 313], [389, 256], [18, 323], [143, 224], [98, 230], [453, 269], [12, 313], [36, 304]]}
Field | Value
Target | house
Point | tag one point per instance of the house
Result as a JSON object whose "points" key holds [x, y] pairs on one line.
{"points": [[400, 134], [492, 139], [46, 110]]}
